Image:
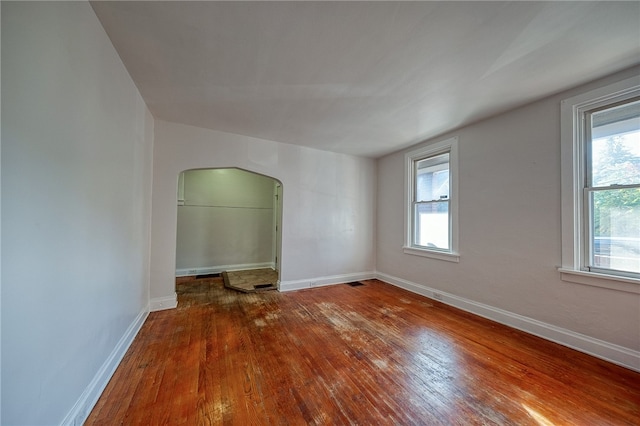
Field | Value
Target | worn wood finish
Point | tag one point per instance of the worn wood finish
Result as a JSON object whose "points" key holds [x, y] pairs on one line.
{"points": [[373, 354]]}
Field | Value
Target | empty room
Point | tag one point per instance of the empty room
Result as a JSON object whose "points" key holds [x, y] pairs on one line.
{"points": [[445, 196]]}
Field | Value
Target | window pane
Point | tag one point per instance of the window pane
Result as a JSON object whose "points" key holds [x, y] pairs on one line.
{"points": [[615, 236], [432, 178], [615, 149], [432, 225]]}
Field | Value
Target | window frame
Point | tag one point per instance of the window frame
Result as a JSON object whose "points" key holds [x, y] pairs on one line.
{"points": [[575, 214], [445, 146]]}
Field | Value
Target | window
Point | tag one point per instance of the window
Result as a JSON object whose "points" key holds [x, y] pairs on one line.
{"points": [[601, 221], [431, 207]]}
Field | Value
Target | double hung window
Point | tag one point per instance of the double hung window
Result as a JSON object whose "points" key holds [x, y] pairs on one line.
{"points": [[601, 141], [431, 214], [612, 188]]}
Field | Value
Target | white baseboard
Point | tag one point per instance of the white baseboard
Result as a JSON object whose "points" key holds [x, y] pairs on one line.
{"points": [[220, 268], [162, 303], [323, 281], [616, 354], [82, 408]]}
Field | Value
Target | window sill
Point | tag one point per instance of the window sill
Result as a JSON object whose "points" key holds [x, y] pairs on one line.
{"points": [[440, 255], [612, 282]]}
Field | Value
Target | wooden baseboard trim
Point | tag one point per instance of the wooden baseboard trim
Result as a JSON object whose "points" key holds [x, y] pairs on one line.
{"points": [[162, 303], [616, 354], [220, 268], [83, 406], [323, 281]]}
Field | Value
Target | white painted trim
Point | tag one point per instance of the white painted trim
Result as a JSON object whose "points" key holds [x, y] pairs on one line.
{"points": [[83, 406], [572, 174], [612, 282], [616, 354], [324, 281], [162, 303], [218, 269], [449, 145], [448, 256]]}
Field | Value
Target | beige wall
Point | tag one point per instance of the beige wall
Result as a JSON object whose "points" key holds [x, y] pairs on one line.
{"points": [[79, 263], [328, 211], [225, 222], [510, 235], [77, 144]]}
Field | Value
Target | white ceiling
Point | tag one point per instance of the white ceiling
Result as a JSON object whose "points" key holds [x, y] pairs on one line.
{"points": [[363, 78]]}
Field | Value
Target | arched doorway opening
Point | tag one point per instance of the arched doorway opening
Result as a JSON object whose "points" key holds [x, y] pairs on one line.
{"points": [[229, 219]]}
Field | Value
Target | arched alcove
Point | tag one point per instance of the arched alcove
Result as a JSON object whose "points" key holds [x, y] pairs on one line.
{"points": [[227, 219]]}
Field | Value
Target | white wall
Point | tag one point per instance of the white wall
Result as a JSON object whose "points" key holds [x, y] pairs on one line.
{"points": [[328, 204], [510, 235], [76, 174], [0, 228], [226, 221]]}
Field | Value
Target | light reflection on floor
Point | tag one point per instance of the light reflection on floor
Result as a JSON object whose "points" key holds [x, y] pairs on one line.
{"points": [[438, 373], [542, 420]]}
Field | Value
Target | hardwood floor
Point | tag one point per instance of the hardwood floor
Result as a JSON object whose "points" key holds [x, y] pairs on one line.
{"points": [[366, 355]]}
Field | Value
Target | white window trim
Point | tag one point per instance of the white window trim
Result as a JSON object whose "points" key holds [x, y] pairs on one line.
{"points": [[449, 145], [572, 174]]}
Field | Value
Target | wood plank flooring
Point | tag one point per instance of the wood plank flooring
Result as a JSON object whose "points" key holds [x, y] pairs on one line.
{"points": [[342, 355]]}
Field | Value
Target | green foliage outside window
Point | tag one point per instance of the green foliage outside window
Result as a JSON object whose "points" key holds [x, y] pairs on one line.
{"points": [[616, 165]]}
